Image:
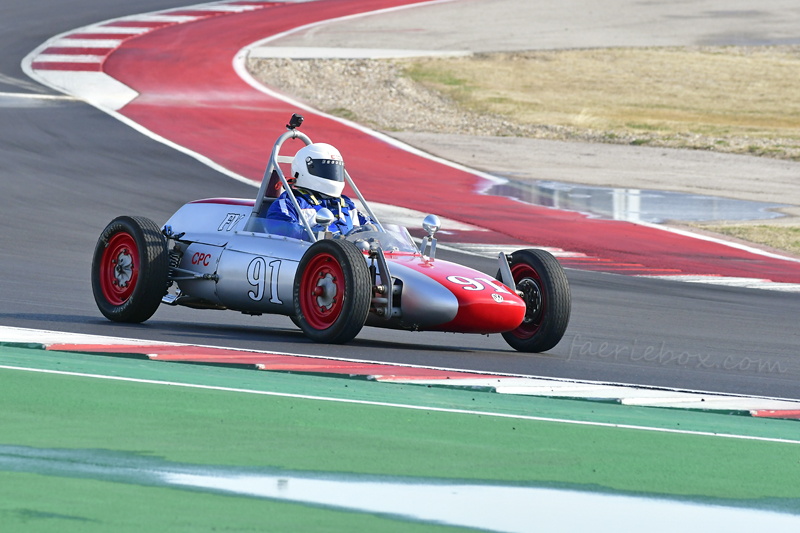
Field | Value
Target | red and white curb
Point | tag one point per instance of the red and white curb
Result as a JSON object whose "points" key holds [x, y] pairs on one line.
{"points": [[586, 262], [408, 374], [72, 62], [726, 281]]}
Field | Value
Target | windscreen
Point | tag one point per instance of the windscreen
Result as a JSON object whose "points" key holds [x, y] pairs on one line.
{"points": [[396, 238]]}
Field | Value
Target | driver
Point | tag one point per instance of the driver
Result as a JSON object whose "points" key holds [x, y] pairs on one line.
{"points": [[318, 179]]}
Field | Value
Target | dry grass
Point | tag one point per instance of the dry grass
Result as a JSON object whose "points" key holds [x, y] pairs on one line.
{"points": [[732, 99], [781, 237]]}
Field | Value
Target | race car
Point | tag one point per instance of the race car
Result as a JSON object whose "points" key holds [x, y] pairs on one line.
{"points": [[223, 253]]}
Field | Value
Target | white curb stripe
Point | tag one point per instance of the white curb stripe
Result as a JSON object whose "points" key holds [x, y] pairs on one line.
{"points": [[109, 29], [221, 7], [401, 406], [748, 283], [626, 395], [97, 88], [178, 19], [86, 43], [58, 58]]}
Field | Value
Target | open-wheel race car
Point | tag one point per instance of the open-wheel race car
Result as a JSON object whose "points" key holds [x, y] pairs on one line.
{"points": [[226, 253]]}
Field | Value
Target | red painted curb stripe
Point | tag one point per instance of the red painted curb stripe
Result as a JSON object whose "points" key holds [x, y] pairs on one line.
{"points": [[86, 67], [62, 50], [776, 414], [190, 13], [265, 361]]}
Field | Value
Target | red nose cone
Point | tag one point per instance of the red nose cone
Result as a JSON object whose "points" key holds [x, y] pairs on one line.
{"points": [[486, 312], [485, 305]]}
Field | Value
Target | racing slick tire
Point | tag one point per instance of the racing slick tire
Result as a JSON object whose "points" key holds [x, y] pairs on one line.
{"points": [[130, 269], [545, 289], [332, 291]]}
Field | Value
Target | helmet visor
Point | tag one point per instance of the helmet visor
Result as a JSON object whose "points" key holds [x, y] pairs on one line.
{"points": [[327, 169]]}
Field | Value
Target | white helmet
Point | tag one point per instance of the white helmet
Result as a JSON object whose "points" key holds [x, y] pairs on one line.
{"points": [[319, 168]]}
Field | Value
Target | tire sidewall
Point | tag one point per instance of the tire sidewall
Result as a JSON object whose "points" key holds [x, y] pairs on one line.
{"points": [[556, 300], [131, 309], [355, 307]]}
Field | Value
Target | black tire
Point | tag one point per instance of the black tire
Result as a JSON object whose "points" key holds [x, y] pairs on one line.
{"points": [[130, 294], [547, 296], [329, 268]]}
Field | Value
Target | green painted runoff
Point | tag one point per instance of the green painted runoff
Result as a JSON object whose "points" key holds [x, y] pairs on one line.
{"points": [[439, 397], [229, 428]]}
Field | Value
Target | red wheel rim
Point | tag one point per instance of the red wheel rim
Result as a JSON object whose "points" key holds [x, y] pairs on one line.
{"points": [[529, 282], [322, 291], [119, 268]]}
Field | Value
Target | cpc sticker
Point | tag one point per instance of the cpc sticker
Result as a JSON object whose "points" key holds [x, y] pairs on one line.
{"points": [[497, 297], [200, 259]]}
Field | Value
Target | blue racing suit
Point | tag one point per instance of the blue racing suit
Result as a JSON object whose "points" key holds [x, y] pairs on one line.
{"points": [[282, 211]]}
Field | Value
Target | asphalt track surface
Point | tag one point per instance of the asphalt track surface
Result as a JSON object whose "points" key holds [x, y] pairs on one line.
{"points": [[66, 170]]}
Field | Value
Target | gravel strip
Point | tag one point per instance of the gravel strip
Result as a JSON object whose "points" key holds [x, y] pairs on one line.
{"points": [[377, 94]]}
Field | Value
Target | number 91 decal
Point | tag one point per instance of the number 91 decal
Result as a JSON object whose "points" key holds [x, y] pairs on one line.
{"points": [[263, 277], [477, 284]]}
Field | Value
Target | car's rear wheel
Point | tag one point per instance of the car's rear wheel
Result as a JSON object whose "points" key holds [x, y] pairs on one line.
{"points": [[130, 269], [545, 289], [332, 291]]}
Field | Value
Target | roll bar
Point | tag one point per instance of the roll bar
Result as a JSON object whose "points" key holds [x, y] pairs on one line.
{"points": [[273, 165]]}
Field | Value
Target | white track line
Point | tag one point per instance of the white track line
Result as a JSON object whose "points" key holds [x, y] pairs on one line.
{"points": [[38, 96], [307, 52], [240, 66], [402, 406]]}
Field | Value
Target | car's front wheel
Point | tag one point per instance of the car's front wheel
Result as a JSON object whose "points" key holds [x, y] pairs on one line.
{"points": [[545, 289], [332, 291], [130, 269]]}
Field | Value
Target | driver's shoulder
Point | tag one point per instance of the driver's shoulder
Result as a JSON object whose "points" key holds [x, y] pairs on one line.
{"points": [[348, 202]]}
